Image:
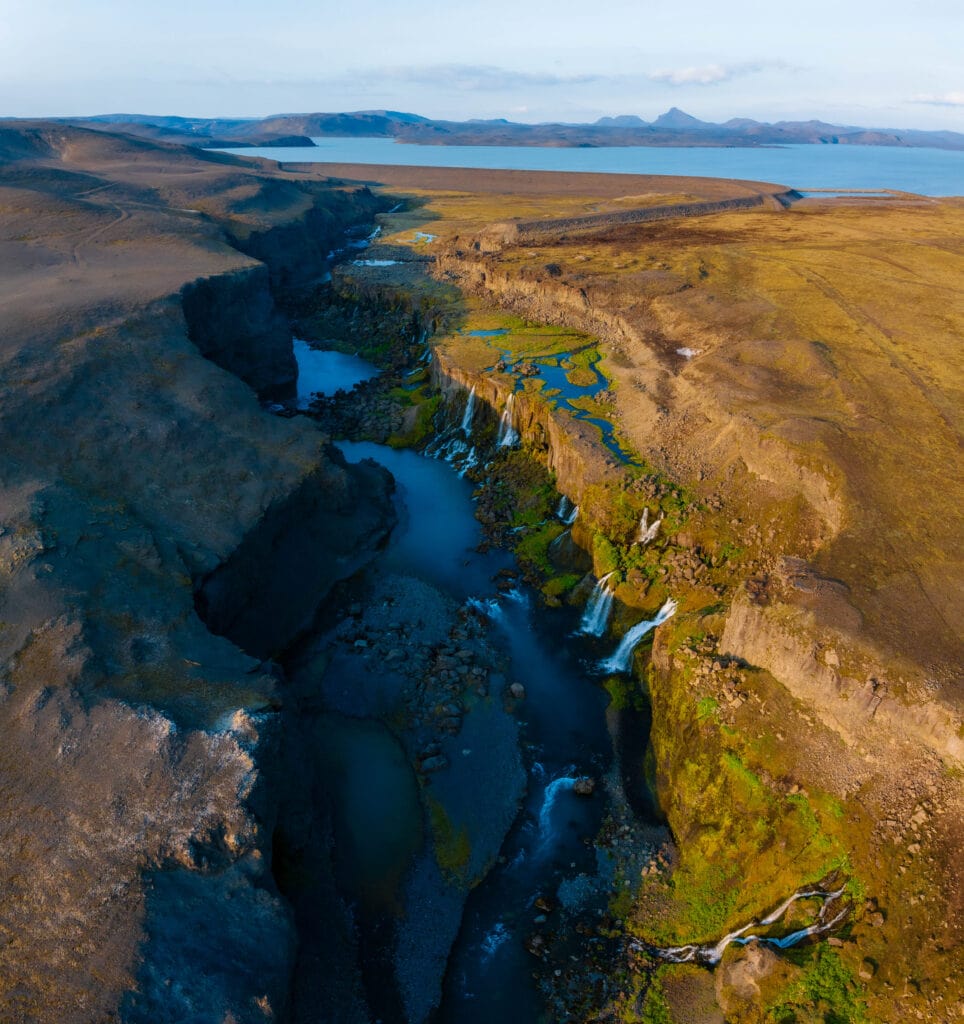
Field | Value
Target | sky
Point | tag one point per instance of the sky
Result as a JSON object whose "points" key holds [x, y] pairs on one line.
{"points": [[877, 63]]}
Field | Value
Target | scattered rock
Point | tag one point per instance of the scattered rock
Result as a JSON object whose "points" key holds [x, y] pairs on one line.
{"points": [[517, 691]]}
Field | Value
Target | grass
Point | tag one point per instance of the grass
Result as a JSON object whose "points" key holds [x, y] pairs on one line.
{"points": [[825, 990]]}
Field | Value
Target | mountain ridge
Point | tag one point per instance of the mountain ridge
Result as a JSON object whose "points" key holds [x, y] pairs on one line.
{"points": [[674, 127]]}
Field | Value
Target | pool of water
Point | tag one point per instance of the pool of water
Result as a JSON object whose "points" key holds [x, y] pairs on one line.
{"points": [[375, 800], [934, 172], [323, 372]]}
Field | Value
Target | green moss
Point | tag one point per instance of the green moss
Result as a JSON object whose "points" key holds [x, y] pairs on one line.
{"points": [[452, 847], [826, 992], [557, 586], [581, 377], [533, 549], [706, 707], [424, 423], [655, 1009], [625, 693], [604, 554]]}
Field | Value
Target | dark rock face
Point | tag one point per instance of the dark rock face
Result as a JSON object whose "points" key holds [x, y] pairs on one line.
{"points": [[233, 321], [271, 586], [296, 253], [141, 753]]}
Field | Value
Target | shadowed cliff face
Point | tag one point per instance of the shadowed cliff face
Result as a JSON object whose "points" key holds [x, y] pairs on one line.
{"points": [[270, 587], [233, 321], [140, 751]]}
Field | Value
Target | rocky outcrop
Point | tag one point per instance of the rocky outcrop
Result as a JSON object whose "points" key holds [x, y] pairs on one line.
{"points": [[572, 449], [296, 252], [866, 709], [269, 589], [233, 321]]}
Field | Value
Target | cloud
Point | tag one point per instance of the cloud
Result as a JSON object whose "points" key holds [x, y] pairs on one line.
{"points": [[944, 99], [483, 77], [709, 74]]}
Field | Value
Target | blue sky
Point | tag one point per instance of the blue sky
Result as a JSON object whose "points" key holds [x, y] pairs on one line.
{"points": [[881, 63]]}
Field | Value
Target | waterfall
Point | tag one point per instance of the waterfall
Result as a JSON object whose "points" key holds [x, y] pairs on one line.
{"points": [[712, 953], [595, 618], [621, 659], [472, 459], [647, 532], [469, 413], [548, 800], [566, 512], [507, 433]]}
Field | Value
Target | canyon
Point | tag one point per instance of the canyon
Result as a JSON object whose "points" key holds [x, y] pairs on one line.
{"points": [[201, 598]]}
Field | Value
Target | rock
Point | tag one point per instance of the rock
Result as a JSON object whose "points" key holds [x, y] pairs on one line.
{"points": [[867, 970], [584, 786], [738, 977], [435, 764], [517, 691]]}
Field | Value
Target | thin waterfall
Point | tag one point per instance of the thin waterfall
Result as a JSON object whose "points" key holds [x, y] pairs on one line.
{"points": [[647, 531], [566, 512], [469, 413], [595, 618], [622, 658], [507, 435], [712, 953]]}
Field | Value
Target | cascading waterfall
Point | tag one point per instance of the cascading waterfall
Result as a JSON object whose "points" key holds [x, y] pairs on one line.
{"points": [[621, 659], [507, 435], [595, 618], [647, 531], [469, 413], [470, 460], [566, 512], [712, 953], [552, 792]]}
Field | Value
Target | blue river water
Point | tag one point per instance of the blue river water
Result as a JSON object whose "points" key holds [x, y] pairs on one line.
{"points": [[932, 172]]}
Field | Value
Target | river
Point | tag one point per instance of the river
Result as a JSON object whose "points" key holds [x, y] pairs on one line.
{"points": [[931, 172], [564, 735]]}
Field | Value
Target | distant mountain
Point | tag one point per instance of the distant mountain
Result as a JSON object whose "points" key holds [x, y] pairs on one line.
{"points": [[673, 128], [621, 121], [679, 121]]}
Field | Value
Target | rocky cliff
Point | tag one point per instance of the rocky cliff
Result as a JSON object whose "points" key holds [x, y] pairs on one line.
{"points": [[139, 769]]}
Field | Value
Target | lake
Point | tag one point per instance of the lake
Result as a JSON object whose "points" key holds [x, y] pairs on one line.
{"points": [[932, 172]]}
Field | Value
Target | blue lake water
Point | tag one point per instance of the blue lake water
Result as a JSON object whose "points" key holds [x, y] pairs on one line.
{"points": [[322, 372], [934, 172]]}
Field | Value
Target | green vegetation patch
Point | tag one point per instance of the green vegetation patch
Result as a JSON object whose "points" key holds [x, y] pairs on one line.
{"points": [[825, 990], [532, 550], [453, 850]]}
